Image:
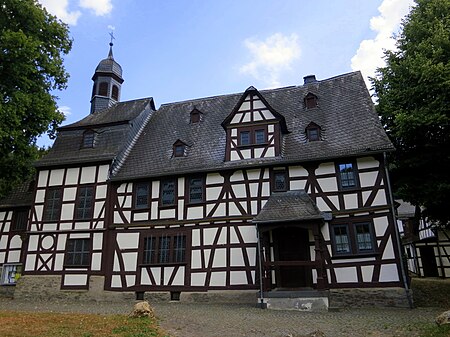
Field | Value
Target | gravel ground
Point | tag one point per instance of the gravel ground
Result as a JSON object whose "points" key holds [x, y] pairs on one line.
{"points": [[228, 320]]}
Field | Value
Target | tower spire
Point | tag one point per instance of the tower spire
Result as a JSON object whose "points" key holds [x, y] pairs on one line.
{"points": [[110, 54]]}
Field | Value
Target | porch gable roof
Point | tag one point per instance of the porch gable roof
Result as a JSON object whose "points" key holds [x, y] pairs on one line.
{"points": [[288, 206]]}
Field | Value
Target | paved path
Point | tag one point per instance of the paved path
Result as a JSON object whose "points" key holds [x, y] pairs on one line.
{"points": [[226, 320]]}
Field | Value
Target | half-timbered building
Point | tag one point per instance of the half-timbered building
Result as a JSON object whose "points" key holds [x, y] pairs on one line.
{"points": [[427, 246], [270, 192]]}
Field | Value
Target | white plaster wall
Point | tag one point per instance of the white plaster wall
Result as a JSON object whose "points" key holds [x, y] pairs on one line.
{"points": [[198, 279], [16, 242], [328, 184], [100, 193], [195, 212], [129, 261], [220, 258], [389, 273], [40, 196], [234, 155], [70, 194], [208, 235], [236, 257], [127, 240], [116, 282], [238, 277], [14, 256], [140, 216], [259, 152], [59, 262], [297, 171], [267, 114], [96, 263], [67, 212], [323, 207], [239, 190], [214, 178], [326, 168], [49, 227], [88, 174], [367, 273], [97, 241], [380, 224], [75, 279], [103, 173], [131, 280], [236, 118], [145, 278], [351, 201], [258, 104], [297, 185], [56, 177], [156, 272], [72, 176], [218, 279], [245, 105], [367, 162], [167, 213], [346, 275], [367, 178], [389, 250], [380, 198], [42, 179], [30, 261]]}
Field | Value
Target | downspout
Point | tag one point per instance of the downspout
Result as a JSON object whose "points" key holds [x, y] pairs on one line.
{"points": [[397, 235], [261, 290]]}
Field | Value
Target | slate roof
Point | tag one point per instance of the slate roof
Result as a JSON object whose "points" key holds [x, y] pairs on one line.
{"points": [[21, 196], [288, 206], [345, 113], [112, 127]]}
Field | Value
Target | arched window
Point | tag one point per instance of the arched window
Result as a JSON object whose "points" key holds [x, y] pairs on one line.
{"points": [[115, 92], [310, 101], [88, 139], [103, 89]]}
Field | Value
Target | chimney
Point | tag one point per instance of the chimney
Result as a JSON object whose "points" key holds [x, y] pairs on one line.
{"points": [[309, 79]]}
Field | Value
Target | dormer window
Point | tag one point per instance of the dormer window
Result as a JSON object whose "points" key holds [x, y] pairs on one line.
{"points": [[88, 139], [253, 136], [310, 101], [115, 92], [313, 132], [196, 116], [179, 149]]}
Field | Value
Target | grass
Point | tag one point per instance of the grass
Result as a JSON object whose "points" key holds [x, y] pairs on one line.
{"points": [[28, 324], [433, 330]]}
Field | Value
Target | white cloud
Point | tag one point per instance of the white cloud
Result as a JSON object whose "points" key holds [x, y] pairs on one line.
{"points": [[100, 7], [271, 57], [369, 56], [60, 8], [66, 110], [110, 27]]}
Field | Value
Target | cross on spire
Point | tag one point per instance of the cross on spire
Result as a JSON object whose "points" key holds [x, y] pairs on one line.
{"points": [[112, 38]]}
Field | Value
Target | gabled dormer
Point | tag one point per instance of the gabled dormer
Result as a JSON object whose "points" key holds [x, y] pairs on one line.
{"points": [[310, 101], [253, 128], [179, 149], [313, 132], [196, 116]]}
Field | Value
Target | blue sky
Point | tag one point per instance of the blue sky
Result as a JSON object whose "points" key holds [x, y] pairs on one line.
{"points": [[174, 50]]}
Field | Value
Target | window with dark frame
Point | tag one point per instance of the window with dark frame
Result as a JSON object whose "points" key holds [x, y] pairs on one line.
{"points": [[310, 101], [77, 252], [88, 139], [85, 202], [347, 176], [164, 249], [353, 238], [260, 136], [141, 195], [168, 192], [53, 203], [103, 89], [313, 134], [280, 181], [178, 150], [196, 190], [20, 220], [195, 117], [244, 138], [115, 92]]}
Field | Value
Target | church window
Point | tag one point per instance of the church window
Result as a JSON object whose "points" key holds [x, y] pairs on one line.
{"points": [[115, 92], [141, 197], [88, 139], [103, 89], [85, 202], [196, 185], [347, 175], [53, 202], [168, 192], [77, 252], [20, 220], [280, 183]]}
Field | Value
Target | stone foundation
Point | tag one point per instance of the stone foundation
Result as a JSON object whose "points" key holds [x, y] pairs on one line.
{"points": [[368, 297], [7, 291], [43, 288]]}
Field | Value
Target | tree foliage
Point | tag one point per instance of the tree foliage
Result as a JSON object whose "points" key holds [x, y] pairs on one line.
{"points": [[32, 43], [413, 92]]}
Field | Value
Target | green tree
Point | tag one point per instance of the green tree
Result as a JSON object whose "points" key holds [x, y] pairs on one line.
{"points": [[32, 43], [413, 92]]}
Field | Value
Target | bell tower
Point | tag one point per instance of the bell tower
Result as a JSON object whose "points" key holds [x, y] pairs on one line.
{"points": [[107, 82]]}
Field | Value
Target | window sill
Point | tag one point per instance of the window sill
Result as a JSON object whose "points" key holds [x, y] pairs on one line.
{"points": [[168, 264], [354, 256], [250, 146]]}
